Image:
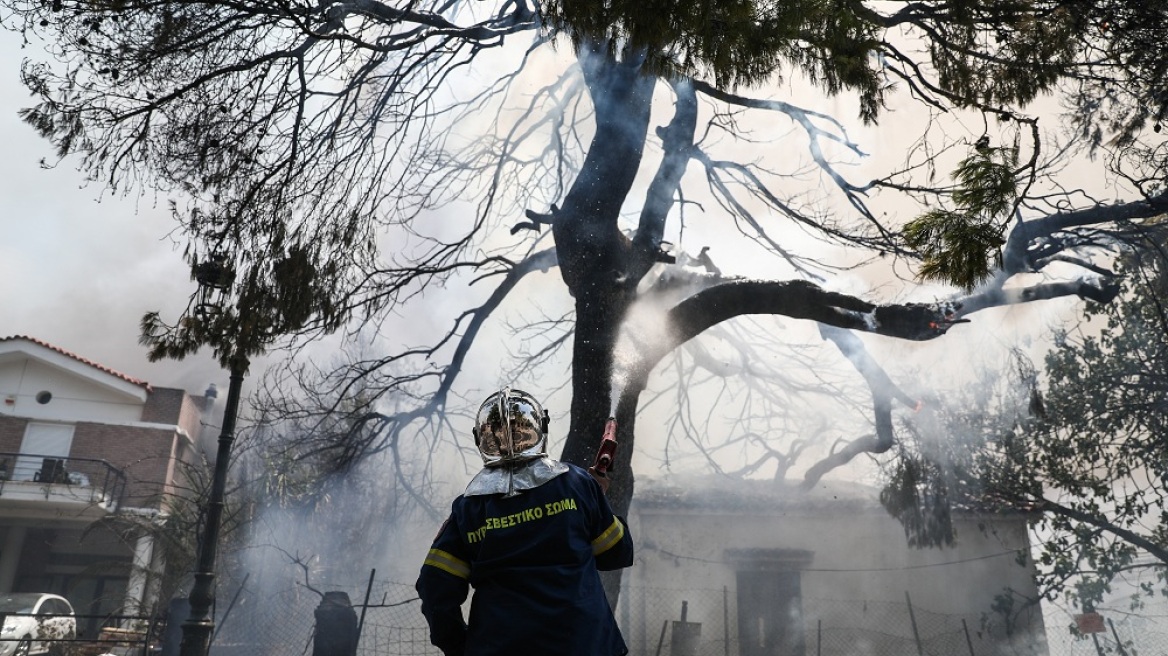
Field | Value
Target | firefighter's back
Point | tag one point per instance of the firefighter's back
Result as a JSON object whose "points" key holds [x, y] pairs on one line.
{"points": [[537, 589]]}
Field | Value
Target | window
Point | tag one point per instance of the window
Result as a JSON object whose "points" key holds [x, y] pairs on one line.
{"points": [[42, 441]]}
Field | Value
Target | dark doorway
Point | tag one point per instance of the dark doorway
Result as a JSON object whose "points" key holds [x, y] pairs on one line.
{"points": [[770, 614], [770, 602]]}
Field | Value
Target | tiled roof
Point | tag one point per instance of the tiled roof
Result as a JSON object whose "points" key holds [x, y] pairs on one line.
{"points": [[725, 493], [95, 365]]}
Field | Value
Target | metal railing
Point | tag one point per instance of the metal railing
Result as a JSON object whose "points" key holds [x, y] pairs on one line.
{"points": [[68, 635], [85, 479]]}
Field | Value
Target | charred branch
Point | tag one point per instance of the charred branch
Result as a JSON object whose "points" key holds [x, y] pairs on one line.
{"points": [[536, 220], [871, 443], [1100, 291], [677, 140], [805, 300], [1017, 253], [883, 390]]}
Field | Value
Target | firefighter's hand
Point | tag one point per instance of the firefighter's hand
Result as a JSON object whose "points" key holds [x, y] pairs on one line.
{"points": [[599, 478]]}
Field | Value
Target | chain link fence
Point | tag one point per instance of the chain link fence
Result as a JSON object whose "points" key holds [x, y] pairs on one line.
{"points": [[280, 623], [1130, 636], [650, 620]]}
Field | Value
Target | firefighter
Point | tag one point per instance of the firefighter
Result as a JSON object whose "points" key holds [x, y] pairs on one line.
{"points": [[530, 535]]}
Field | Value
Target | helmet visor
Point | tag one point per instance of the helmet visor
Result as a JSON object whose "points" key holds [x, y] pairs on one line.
{"points": [[510, 426]]}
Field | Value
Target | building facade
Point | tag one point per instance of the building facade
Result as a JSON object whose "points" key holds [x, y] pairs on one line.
{"points": [[746, 568], [90, 458]]}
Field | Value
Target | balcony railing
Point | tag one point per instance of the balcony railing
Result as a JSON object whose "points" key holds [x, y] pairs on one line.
{"points": [[85, 480]]}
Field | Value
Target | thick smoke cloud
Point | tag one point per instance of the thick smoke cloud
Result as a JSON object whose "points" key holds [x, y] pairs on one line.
{"points": [[79, 266]]}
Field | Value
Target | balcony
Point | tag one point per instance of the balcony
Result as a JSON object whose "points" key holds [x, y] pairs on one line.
{"points": [[36, 486]]}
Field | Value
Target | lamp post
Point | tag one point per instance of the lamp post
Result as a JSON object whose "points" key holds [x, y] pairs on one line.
{"points": [[213, 277]]}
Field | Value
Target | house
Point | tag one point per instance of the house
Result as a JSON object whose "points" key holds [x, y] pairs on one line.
{"points": [[748, 568], [80, 445]]}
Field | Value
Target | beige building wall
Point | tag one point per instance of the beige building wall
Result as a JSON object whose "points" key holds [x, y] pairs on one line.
{"points": [[849, 561]]}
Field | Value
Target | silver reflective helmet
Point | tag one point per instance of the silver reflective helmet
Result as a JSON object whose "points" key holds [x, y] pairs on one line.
{"points": [[511, 427]]}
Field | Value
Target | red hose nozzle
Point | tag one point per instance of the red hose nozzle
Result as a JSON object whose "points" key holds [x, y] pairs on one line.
{"points": [[607, 451]]}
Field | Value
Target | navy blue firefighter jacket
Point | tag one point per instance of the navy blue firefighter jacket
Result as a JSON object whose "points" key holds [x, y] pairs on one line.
{"points": [[533, 560]]}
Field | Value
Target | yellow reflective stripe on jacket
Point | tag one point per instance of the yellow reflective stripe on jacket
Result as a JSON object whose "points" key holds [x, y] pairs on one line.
{"points": [[609, 538], [447, 563]]}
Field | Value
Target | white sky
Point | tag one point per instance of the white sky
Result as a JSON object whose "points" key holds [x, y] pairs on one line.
{"points": [[78, 268]]}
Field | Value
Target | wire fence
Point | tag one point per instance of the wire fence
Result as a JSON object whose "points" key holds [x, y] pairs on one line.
{"points": [[650, 619], [675, 622], [1131, 636], [280, 622]]}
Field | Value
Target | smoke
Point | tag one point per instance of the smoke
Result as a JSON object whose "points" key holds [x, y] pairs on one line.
{"points": [[645, 328], [308, 534], [626, 354], [644, 323]]}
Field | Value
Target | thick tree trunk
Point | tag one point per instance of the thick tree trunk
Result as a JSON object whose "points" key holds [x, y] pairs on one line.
{"points": [[598, 316], [592, 252], [594, 259]]}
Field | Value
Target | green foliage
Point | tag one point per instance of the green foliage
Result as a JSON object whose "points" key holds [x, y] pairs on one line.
{"points": [[1005, 51], [957, 248], [984, 53], [1086, 454], [1109, 389], [736, 42], [917, 494], [1127, 86], [962, 246], [986, 181], [273, 298]]}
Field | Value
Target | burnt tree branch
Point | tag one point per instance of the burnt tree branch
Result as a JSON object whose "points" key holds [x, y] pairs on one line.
{"points": [[677, 140], [1016, 256], [883, 390]]}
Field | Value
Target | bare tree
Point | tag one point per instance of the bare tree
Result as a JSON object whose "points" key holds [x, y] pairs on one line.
{"points": [[349, 158]]}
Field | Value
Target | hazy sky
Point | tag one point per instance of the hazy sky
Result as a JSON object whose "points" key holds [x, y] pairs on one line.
{"points": [[79, 268]]}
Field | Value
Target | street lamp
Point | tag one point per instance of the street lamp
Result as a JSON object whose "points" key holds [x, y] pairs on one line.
{"points": [[214, 277], [280, 294]]}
